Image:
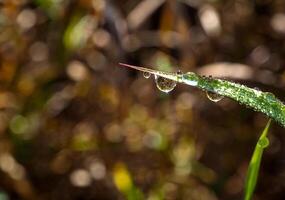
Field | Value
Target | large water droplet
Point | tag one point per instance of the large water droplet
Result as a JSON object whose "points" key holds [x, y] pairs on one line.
{"points": [[189, 78], [164, 84], [214, 96], [146, 74], [263, 142]]}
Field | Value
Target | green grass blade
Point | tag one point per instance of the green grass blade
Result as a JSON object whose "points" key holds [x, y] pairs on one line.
{"points": [[253, 169], [264, 102]]}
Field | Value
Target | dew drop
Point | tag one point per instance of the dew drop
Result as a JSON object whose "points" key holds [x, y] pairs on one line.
{"points": [[179, 73], [263, 142], [164, 84], [189, 79], [146, 74], [270, 96], [214, 96]]}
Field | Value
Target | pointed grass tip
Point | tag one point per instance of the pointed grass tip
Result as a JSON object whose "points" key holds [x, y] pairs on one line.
{"points": [[142, 69], [168, 75], [129, 66]]}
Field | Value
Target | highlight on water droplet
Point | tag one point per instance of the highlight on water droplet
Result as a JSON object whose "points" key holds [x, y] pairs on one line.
{"points": [[214, 96], [146, 74], [164, 84], [263, 142]]}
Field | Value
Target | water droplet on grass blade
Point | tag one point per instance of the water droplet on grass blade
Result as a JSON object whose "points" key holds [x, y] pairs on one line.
{"points": [[270, 96], [179, 73], [164, 84], [263, 142], [214, 96], [189, 79], [146, 74]]}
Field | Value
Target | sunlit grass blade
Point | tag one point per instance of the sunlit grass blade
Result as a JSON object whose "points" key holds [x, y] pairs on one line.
{"points": [[264, 102], [253, 169]]}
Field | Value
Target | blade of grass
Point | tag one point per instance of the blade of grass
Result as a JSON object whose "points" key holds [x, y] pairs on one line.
{"points": [[253, 169], [264, 102]]}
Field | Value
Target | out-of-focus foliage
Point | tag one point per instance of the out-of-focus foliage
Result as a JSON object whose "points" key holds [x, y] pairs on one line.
{"points": [[75, 126]]}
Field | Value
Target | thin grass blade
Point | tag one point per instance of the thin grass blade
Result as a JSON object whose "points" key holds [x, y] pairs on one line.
{"points": [[264, 102], [254, 165]]}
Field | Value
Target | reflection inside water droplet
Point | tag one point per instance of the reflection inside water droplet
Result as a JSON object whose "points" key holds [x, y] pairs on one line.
{"points": [[263, 142], [164, 84], [146, 74], [214, 96]]}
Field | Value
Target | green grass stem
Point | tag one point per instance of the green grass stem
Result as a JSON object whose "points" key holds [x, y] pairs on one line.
{"points": [[253, 169]]}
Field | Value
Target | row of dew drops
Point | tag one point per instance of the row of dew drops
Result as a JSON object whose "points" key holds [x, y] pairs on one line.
{"points": [[167, 85]]}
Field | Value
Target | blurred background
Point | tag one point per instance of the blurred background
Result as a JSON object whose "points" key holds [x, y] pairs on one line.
{"points": [[74, 125]]}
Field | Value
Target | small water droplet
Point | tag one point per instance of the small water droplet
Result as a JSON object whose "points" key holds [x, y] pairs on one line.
{"points": [[179, 73], [146, 74], [214, 96], [164, 84], [263, 142], [270, 96]]}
